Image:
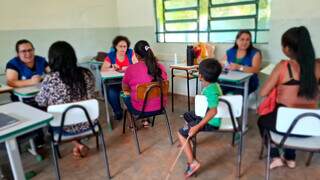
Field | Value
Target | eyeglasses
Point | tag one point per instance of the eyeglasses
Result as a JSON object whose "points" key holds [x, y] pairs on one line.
{"points": [[26, 51]]}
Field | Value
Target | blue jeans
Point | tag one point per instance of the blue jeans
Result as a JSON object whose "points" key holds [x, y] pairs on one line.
{"points": [[191, 120], [114, 98], [132, 110]]}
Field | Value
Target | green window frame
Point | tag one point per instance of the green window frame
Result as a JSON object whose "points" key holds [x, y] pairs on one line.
{"points": [[210, 19]]}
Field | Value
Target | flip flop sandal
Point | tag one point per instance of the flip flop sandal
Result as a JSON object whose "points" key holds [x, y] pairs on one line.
{"points": [[76, 153], [84, 150]]}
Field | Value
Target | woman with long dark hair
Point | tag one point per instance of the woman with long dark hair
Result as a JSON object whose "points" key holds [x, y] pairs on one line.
{"points": [[243, 56], [66, 83], [297, 82], [148, 69]]}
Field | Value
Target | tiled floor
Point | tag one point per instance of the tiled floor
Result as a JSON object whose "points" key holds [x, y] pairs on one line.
{"points": [[215, 153]]}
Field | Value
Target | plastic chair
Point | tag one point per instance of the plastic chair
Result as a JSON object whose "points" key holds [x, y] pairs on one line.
{"points": [[294, 121], [71, 114], [229, 110], [145, 92]]}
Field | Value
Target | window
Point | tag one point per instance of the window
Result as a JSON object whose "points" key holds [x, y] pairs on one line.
{"points": [[211, 20]]}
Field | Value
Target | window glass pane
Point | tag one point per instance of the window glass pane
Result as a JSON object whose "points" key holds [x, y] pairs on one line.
{"points": [[181, 15], [262, 36], [203, 37], [205, 17], [229, 1], [240, 10], [181, 37], [223, 37], [161, 37], [181, 26], [226, 36], [159, 15], [175, 4], [233, 24], [203, 22], [264, 14]]}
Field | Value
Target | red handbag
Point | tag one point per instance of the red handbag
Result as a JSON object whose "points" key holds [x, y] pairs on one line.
{"points": [[270, 102]]}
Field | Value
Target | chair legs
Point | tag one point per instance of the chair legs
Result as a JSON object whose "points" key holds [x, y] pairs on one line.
{"points": [[97, 142], [309, 159], [168, 127], [267, 169], [124, 122], [153, 118], [57, 149], [55, 160], [132, 123], [233, 139], [240, 148], [104, 152]]}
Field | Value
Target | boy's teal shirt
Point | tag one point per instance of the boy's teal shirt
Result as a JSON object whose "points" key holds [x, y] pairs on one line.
{"points": [[213, 92]]}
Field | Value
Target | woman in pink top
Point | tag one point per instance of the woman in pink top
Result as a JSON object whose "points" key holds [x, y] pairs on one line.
{"points": [[297, 82], [146, 70]]}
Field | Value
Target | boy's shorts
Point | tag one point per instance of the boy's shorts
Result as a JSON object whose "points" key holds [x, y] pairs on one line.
{"points": [[191, 120]]}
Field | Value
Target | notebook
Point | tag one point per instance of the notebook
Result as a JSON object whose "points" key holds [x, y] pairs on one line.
{"points": [[6, 121]]}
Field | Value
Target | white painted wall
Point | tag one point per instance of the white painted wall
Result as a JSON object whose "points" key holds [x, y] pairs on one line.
{"points": [[289, 13], [57, 14]]}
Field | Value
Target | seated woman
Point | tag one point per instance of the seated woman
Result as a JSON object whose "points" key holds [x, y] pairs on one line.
{"points": [[146, 70], [27, 69], [118, 59], [243, 57], [297, 81], [65, 84]]}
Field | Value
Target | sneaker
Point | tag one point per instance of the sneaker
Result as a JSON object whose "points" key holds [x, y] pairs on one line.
{"points": [[290, 163], [276, 162], [191, 169]]}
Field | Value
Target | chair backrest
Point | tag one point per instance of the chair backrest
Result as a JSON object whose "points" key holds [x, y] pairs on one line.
{"points": [[76, 114], [100, 56], [235, 101], [150, 90], [307, 121]]}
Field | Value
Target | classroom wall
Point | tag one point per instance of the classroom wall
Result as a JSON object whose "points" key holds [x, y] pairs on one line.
{"points": [[289, 13], [88, 25], [300, 13], [91, 25]]}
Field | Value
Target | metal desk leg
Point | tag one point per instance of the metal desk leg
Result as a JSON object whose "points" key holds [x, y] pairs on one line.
{"points": [[172, 94], [188, 90], [107, 105], [197, 85], [15, 160], [245, 106]]}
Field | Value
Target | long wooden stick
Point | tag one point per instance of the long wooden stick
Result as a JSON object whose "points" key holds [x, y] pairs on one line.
{"points": [[175, 161]]}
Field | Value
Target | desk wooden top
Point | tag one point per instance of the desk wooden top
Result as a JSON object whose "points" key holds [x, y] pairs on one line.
{"points": [[183, 67]]}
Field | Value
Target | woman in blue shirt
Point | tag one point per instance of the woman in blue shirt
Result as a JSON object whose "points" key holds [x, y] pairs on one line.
{"points": [[243, 57]]}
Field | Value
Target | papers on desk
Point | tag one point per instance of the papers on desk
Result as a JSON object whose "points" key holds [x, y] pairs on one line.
{"points": [[183, 66], [234, 76], [27, 91], [6, 121], [268, 69], [111, 74]]}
